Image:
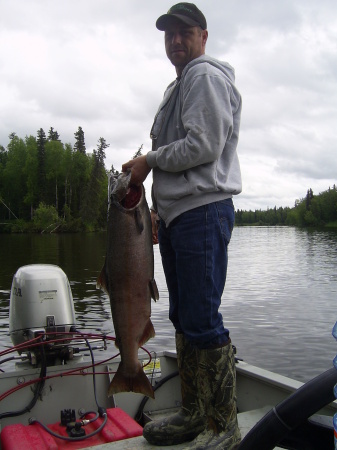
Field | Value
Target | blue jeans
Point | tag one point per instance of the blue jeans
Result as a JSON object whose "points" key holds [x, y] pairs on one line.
{"points": [[194, 256]]}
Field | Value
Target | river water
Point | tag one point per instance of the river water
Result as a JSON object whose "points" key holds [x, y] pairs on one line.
{"points": [[279, 302]]}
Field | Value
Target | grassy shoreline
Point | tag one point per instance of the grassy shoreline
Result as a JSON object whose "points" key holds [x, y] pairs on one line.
{"points": [[19, 227]]}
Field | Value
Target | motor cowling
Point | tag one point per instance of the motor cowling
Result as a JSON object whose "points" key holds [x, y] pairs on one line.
{"points": [[41, 301]]}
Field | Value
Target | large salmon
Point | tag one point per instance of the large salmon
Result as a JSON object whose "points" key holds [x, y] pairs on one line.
{"points": [[127, 277]]}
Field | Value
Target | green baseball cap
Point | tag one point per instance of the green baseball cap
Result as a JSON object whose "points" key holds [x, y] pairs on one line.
{"points": [[186, 12]]}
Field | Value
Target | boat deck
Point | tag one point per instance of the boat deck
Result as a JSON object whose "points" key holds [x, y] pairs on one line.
{"points": [[246, 421], [258, 391]]}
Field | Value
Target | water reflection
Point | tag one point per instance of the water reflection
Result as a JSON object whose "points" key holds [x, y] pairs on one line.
{"points": [[279, 300], [283, 281]]}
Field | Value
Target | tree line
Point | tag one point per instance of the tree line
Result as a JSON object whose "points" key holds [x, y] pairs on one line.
{"points": [[311, 211], [46, 185]]}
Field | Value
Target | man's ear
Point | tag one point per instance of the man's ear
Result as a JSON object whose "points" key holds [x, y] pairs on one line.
{"points": [[204, 37]]}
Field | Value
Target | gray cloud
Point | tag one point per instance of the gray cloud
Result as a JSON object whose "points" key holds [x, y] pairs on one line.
{"points": [[102, 66]]}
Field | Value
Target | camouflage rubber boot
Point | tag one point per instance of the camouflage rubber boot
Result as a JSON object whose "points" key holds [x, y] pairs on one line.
{"points": [[187, 423], [217, 392]]}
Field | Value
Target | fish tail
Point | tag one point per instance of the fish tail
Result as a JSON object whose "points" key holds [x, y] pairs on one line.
{"points": [[148, 333], [138, 383]]}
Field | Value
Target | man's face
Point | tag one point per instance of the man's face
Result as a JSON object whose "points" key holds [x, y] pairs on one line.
{"points": [[184, 43]]}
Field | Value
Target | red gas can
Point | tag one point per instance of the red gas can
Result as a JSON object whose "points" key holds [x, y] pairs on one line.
{"points": [[33, 437]]}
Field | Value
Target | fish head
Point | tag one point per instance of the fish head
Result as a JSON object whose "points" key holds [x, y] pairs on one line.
{"points": [[118, 186], [121, 192]]}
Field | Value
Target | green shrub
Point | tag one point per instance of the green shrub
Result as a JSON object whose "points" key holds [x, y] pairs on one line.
{"points": [[46, 217]]}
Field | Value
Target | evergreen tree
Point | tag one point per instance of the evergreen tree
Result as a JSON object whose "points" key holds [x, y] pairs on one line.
{"points": [[3, 162], [41, 157], [31, 173], [100, 154], [68, 163], [79, 145], [54, 171], [81, 167], [3, 155], [138, 152], [53, 135], [309, 197], [14, 181], [95, 194], [328, 205]]}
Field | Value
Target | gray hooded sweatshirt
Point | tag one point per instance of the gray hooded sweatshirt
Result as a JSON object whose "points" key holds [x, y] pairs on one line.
{"points": [[195, 135]]}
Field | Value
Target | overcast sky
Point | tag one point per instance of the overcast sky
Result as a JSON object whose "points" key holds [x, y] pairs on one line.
{"points": [[101, 65]]}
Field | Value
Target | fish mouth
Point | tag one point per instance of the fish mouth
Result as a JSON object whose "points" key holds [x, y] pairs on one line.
{"points": [[132, 197]]}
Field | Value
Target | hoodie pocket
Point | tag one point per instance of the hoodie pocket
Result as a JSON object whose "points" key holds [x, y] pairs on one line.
{"points": [[170, 186]]}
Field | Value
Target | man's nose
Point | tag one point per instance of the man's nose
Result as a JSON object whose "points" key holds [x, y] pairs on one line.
{"points": [[176, 38]]}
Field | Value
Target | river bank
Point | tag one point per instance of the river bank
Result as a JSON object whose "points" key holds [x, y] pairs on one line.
{"points": [[19, 227]]}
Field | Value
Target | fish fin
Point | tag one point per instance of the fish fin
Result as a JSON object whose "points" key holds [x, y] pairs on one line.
{"points": [[138, 383], [154, 290], [101, 282], [148, 333], [139, 220]]}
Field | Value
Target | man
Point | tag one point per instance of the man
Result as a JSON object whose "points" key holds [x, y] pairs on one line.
{"points": [[195, 174]]}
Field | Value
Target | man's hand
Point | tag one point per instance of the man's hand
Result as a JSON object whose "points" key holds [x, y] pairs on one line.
{"points": [[154, 220], [139, 169]]}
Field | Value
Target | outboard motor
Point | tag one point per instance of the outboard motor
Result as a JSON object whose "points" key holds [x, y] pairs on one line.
{"points": [[41, 302]]}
